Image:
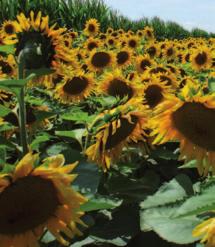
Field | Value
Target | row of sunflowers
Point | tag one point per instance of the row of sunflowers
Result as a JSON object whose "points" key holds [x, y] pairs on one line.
{"points": [[120, 100]]}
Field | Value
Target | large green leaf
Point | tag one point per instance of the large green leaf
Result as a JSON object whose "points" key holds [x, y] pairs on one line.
{"points": [[162, 221], [169, 192], [76, 134], [42, 138], [200, 203]]}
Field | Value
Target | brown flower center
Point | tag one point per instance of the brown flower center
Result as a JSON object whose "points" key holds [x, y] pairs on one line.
{"points": [[26, 204], [196, 122], [100, 59], [92, 45], [76, 85], [119, 88], [122, 57], [149, 33], [132, 43], [170, 52], [153, 95], [91, 28], [151, 51], [9, 29], [125, 129], [201, 58], [5, 67]]}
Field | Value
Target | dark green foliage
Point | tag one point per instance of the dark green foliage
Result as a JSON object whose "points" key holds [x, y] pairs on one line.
{"points": [[74, 14]]}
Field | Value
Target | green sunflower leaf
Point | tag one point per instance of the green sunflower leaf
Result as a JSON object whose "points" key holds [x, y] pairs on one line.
{"points": [[177, 189], [162, 221]]}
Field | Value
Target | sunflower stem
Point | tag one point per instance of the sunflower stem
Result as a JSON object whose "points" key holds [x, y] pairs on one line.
{"points": [[22, 108]]}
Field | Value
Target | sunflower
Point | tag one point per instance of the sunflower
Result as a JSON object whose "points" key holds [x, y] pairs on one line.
{"points": [[34, 34], [111, 42], [206, 231], [124, 57], [191, 121], [140, 33], [115, 84], [201, 59], [34, 199], [92, 43], [132, 42], [109, 30], [101, 59], [127, 123], [143, 62], [9, 28], [7, 66], [169, 52], [91, 27], [154, 92], [75, 86], [73, 34], [148, 33], [152, 49]]}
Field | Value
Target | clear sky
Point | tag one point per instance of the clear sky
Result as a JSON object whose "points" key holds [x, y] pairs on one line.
{"points": [[188, 13]]}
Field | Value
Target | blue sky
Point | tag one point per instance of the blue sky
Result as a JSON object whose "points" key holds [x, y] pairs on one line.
{"points": [[188, 13]]}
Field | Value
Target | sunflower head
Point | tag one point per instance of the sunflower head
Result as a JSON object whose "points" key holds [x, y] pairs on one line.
{"points": [[44, 200], [152, 50], [154, 92], [75, 86], [189, 121], [115, 84], [9, 28], [38, 44], [148, 33], [124, 57], [91, 44], [91, 27], [126, 124], [143, 62], [101, 59], [132, 42], [201, 59]]}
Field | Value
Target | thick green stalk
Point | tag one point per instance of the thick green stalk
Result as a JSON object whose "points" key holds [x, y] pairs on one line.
{"points": [[22, 109]]}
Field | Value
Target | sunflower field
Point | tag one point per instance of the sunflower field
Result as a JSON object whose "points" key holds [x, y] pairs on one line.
{"points": [[107, 138]]}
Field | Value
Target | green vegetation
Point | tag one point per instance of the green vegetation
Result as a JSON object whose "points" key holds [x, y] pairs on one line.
{"points": [[74, 13]]}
